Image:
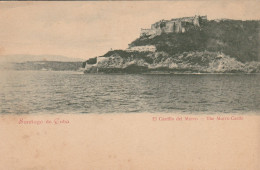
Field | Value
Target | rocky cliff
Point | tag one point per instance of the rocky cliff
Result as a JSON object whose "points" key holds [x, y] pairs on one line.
{"points": [[221, 46]]}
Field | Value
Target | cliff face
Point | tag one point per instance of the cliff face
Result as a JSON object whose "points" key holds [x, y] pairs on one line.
{"points": [[161, 62], [214, 47]]}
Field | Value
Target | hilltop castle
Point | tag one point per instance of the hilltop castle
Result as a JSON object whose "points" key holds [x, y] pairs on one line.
{"points": [[177, 25]]}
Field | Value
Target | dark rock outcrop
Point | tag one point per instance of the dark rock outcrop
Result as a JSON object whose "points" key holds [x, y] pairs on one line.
{"points": [[223, 46]]}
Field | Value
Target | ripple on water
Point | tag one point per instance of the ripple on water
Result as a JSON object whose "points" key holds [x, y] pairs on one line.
{"points": [[58, 92]]}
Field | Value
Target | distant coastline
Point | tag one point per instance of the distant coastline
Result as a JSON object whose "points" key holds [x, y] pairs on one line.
{"points": [[40, 62]]}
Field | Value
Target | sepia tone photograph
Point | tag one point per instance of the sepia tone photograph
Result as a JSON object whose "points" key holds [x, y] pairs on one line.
{"points": [[130, 85]]}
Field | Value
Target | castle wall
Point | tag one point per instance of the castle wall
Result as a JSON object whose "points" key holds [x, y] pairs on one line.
{"points": [[174, 25], [203, 17], [169, 27], [179, 27], [148, 32], [101, 59], [145, 48]]}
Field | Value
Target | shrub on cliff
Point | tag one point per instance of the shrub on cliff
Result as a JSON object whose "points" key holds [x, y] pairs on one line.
{"points": [[239, 39], [92, 61]]}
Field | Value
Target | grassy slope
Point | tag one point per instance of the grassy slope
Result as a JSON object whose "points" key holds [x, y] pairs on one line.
{"points": [[238, 39]]}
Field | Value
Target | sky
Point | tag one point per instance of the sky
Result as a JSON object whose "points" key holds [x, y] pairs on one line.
{"points": [[88, 29]]}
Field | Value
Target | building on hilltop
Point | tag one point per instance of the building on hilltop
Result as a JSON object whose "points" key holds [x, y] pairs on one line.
{"points": [[177, 25]]}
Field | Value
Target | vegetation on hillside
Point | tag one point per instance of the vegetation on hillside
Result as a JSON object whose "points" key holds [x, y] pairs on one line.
{"points": [[226, 46], [130, 55], [238, 39]]}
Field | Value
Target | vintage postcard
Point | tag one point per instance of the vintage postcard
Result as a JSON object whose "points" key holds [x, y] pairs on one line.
{"points": [[130, 85]]}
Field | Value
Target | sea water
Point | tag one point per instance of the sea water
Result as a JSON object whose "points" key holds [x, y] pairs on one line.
{"points": [[72, 92]]}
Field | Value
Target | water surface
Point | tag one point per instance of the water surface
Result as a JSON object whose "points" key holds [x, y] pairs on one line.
{"points": [[71, 92]]}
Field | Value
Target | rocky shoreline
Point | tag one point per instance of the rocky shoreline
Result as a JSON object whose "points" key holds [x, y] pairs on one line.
{"points": [[161, 63], [225, 46]]}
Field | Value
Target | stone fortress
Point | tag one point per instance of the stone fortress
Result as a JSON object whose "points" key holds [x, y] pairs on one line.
{"points": [[177, 25]]}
